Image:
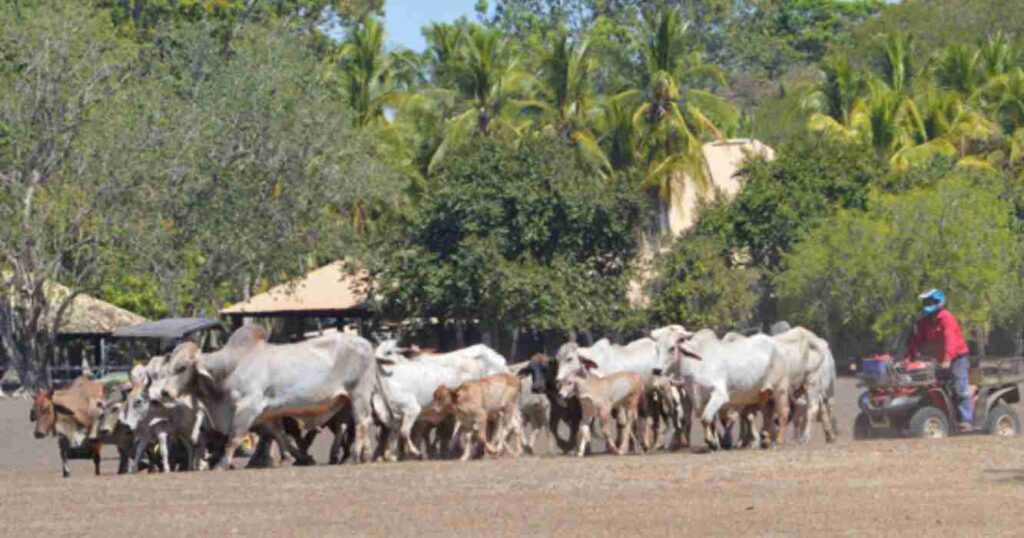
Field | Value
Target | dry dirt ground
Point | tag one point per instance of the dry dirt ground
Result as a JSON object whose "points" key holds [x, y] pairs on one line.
{"points": [[962, 486]]}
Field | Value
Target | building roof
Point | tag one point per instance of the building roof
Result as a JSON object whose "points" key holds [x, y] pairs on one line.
{"points": [[89, 315], [329, 289], [170, 328], [723, 159]]}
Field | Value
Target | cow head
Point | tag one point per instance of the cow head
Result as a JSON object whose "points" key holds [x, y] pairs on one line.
{"points": [[137, 405], [542, 371], [569, 385], [185, 371], [444, 399], [673, 344], [43, 413]]}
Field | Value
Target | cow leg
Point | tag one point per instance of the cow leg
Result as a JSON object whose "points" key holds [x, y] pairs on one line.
{"points": [[514, 431], [570, 414], [584, 438], [605, 416], [64, 446], [828, 420], [410, 412], [97, 451], [245, 415], [480, 433], [466, 433], [782, 408], [165, 451], [728, 418], [122, 457], [718, 399], [287, 446], [626, 431], [419, 436], [803, 413]]}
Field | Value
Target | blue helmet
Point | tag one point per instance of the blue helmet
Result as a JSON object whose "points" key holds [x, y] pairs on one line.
{"points": [[934, 300]]}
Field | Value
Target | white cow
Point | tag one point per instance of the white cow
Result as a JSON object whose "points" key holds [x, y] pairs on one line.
{"points": [[812, 377], [406, 386], [250, 381], [639, 356], [739, 373]]}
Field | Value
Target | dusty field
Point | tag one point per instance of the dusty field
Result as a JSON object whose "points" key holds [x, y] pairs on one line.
{"points": [[965, 486]]}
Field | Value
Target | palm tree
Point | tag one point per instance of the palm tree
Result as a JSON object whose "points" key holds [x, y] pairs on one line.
{"points": [[832, 103], [957, 68], [373, 78], [565, 103], [443, 47], [897, 69], [670, 121], [487, 83]]}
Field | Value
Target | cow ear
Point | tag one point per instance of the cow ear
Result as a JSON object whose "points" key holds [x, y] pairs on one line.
{"points": [[588, 364], [203, 371]]}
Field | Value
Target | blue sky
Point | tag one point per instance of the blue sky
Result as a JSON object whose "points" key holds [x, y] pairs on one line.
{"points": [[405, 18]]}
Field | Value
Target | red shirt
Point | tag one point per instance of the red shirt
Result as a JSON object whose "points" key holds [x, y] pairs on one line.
{"points": [[938, 335]]}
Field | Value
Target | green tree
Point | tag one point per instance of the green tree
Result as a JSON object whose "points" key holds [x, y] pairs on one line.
{"points": [[783, 199], [856, 276], [696, 286], [60, 63], [515, 238]]}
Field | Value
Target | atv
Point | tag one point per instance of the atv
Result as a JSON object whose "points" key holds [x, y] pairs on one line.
{"points": [[908, 400]]}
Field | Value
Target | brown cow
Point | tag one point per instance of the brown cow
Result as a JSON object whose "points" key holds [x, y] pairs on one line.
{"points": [[76, 415], [473, 403]]}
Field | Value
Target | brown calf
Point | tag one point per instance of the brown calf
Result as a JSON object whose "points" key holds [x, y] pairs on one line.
{"points": [[599, 396], [475, 402], [75, 415]]}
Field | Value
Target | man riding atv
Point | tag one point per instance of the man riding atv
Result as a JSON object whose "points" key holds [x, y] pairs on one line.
{"points": [[938, 334]]}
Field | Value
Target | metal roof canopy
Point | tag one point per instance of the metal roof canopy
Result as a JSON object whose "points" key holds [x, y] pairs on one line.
{"points": [[168, 328]]}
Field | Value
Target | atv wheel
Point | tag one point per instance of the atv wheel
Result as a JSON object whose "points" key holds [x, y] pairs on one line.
{"points": [[1002, 421], [862, 428], [929, 423]]}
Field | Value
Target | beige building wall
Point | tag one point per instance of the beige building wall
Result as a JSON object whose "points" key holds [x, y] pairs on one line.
{"points": [[723, 160]]}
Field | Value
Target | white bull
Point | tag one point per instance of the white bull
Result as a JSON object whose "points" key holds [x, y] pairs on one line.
{"points": [[251, 381], [406, 386], [737, 373]]}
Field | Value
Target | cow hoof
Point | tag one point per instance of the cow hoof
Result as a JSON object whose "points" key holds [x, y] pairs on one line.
{"points": [[305, 461]]}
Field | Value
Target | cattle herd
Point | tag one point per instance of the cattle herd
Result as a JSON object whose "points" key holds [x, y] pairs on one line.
{"points": [[193, 410]]}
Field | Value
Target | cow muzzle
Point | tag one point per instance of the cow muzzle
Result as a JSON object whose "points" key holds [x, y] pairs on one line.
{"points": [[38, 434]]}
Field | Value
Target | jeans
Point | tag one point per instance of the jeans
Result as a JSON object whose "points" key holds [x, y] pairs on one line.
{"points": [[958, 372]]}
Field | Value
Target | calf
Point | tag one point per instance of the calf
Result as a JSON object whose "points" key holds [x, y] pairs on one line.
{"points": [[159, 422], [474, 403], [77, 416], [675, 406], [534, 406], [620, 392]]}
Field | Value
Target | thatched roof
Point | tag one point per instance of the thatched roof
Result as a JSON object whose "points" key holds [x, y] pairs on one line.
{"points": [[89, 315], [329, 289], [723, 161]]}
